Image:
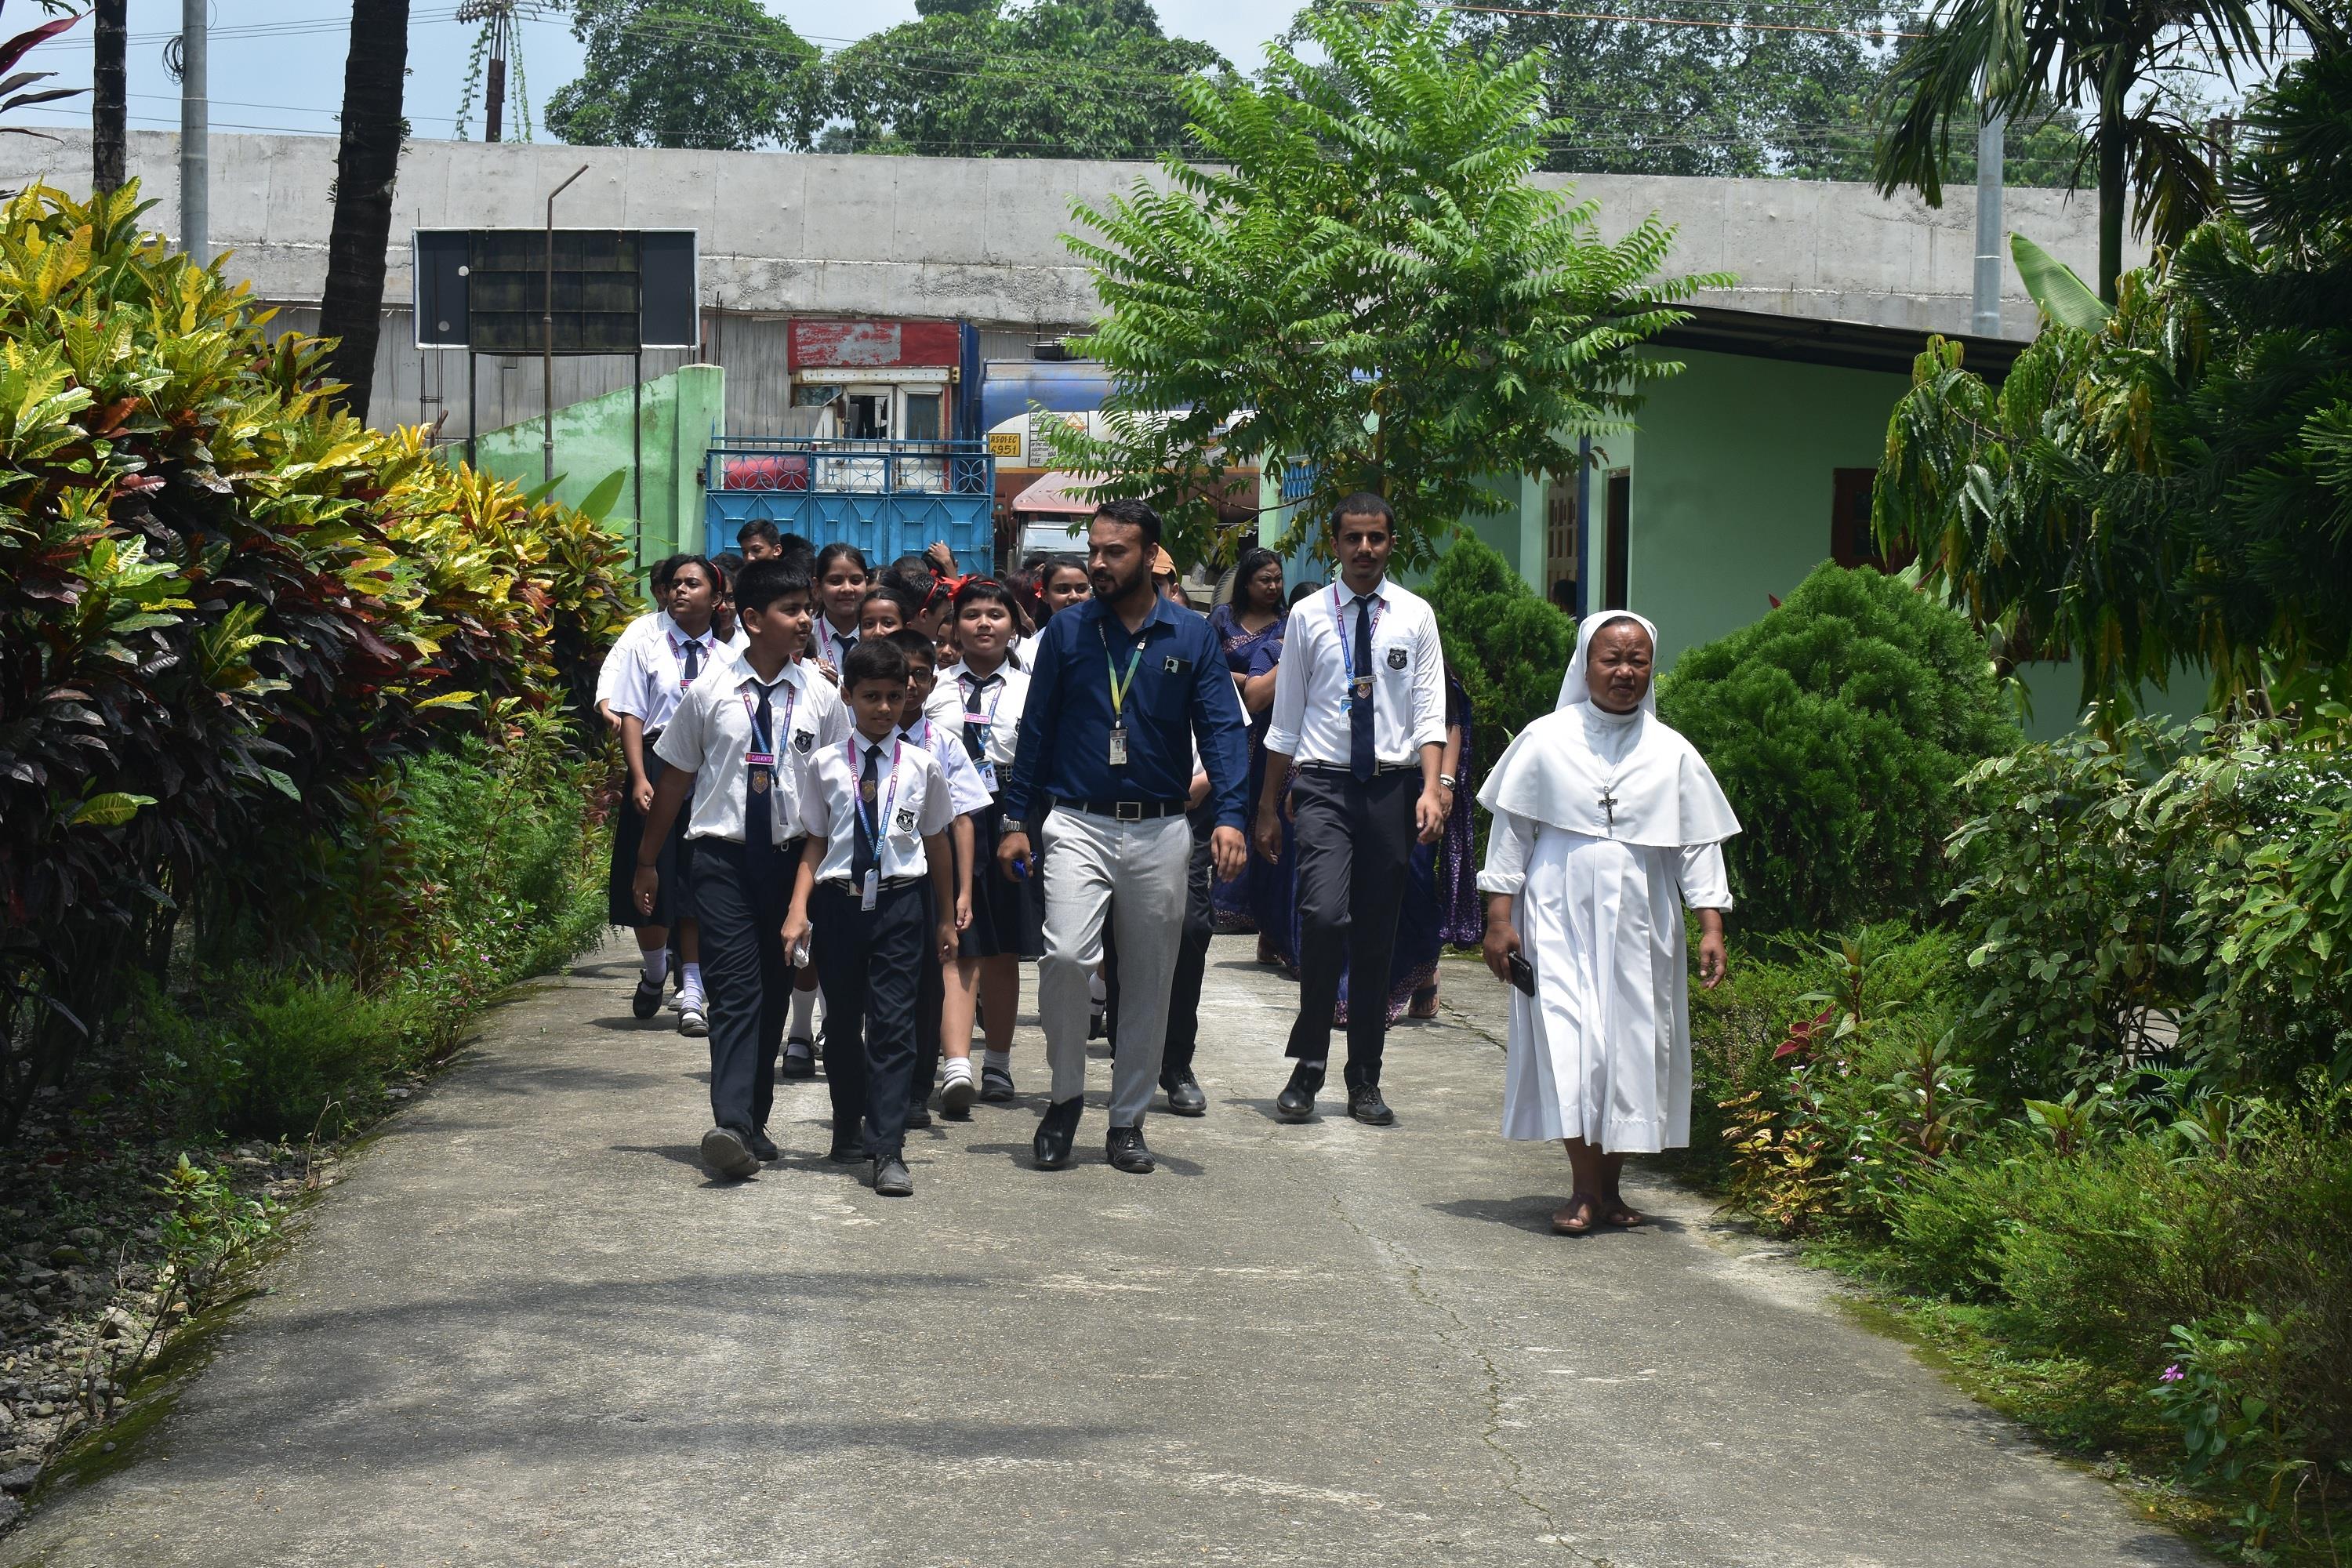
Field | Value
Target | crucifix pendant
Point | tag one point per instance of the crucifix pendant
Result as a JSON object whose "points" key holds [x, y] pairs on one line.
{"points": [[1608, 804]]}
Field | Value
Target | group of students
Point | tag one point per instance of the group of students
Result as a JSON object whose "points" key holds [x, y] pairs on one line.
{"points": [[891, 787]]}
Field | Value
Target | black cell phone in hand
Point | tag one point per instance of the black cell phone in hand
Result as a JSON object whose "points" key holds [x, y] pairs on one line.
{"points": [[1523, 973]]}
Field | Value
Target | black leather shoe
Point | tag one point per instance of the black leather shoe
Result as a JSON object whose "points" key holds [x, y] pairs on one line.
{"points": [[794, 1064], [1057, 1130], [919, 1117], [891, 1180], [1184, 1096], [645, 1000], [1297, 1101], [1365, 1104], [1125, 1148], [995, 1086], [848, 1147], [763, 1148], [723, 1149]]}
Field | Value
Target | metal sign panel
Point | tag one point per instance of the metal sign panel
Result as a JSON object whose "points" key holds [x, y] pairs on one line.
{"points": [[614, 290]]}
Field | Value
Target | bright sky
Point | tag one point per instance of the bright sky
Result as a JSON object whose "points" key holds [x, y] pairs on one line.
{"points": [[278, 65]]}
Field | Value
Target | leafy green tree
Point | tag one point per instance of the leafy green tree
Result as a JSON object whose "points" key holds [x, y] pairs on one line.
{"points": [[1840, 726], [1508, 646], [1357, 276], [2167, 486], [1054, 78], [2105, 58], [715, 73]]}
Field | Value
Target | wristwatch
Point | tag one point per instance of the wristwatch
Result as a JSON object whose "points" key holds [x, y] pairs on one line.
{"points": [[1012, 825], [1445, 779]]}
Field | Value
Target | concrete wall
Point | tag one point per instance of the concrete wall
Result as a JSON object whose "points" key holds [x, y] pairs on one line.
{"points": [[980, 239], [679, 413]]}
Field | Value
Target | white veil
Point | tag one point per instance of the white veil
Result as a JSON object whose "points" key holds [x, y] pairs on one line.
{"points": [[1575, 687], [1633, 779]]}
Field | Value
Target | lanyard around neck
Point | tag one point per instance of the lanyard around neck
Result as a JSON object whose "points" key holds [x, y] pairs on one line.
{"points": [[761, 741], [871, 822], [1119, 685], [1340, 624]]}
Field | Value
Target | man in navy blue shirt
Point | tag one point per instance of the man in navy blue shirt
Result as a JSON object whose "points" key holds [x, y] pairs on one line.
{"points": [[1122, 690]]}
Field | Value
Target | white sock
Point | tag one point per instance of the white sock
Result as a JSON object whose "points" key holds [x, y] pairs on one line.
{"points": [[956, 1070], [1001, 1060], [803, 1010], [1097, 991], [691, 981], [657, 962]]}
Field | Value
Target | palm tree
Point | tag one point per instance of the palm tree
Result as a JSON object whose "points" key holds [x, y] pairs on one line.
{"points": [[107, 133], [366, 164], [1998, 56]]}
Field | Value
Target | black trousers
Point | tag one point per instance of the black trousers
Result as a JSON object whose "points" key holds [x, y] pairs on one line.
{"points": [[1191, 956], [741, 895], [869, 963], [1353, 845]]}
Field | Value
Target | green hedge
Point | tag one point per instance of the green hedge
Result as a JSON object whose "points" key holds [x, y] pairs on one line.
{"points": [[1839, 725]]}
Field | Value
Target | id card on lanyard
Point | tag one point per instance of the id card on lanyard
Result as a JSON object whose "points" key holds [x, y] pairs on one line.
{"points": [[1360, 686], [985, 720], [1119, 687], [761, 758], [872, 819]]}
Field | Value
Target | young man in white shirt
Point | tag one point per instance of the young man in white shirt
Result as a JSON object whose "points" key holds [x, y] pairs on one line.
{"points": [[728, 747], [878, 811], [1359, 704], [659, 671]]}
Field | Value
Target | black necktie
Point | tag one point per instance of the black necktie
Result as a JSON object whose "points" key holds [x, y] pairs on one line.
{"points": [[759, 810], [1361, 757], [975, 743], [693, 659], [869, 794]]}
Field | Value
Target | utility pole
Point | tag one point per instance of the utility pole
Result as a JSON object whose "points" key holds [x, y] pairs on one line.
{"points": [[195, 151], [547, 326], [492, 49], [1984, 317]]}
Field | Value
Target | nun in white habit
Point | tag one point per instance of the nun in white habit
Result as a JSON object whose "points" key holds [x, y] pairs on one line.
{"points": [[1606, 824]]}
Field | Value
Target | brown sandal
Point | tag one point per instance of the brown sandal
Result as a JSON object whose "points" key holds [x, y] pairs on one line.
{"points": [[1579, 1216], [1623, 1217]]}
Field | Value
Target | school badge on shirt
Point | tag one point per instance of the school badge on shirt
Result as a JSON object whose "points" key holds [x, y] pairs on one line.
{"points": [[1397, 657], [905, 822], [804, 741]]}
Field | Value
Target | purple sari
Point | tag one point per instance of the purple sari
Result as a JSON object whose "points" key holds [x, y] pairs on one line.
{"points": [[1259, 899]]}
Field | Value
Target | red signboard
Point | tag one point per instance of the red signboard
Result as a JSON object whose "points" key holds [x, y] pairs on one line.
{"points": [[845, 345]]}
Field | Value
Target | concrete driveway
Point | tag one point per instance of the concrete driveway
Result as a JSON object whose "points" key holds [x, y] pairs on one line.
{"points": [[526, 1329]]}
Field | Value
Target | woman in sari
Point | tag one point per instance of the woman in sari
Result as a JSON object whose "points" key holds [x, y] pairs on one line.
{"points": [[1249, 630]]}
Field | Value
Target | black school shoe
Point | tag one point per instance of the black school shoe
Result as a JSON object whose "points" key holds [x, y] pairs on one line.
{"points": [[725, 1150], [848, 1147], [763, 1148], [793, 1064], [1365, 1104], [645, 1000], [890, 1179], [1125, 1148], [1184, 1096], [1057, 1130], [1297, 1101]]}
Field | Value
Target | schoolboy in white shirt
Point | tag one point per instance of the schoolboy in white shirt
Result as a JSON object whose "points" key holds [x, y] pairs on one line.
{"points": [[878, 811], [727, 748], [967, 795]]}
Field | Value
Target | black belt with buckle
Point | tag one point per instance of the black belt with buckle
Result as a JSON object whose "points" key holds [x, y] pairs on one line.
{"points": [[1125, 810], [1341, 770], [848, 889]]}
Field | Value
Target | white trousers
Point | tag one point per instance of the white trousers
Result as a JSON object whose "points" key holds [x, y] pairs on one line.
{"points": [[1131, 874]]}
